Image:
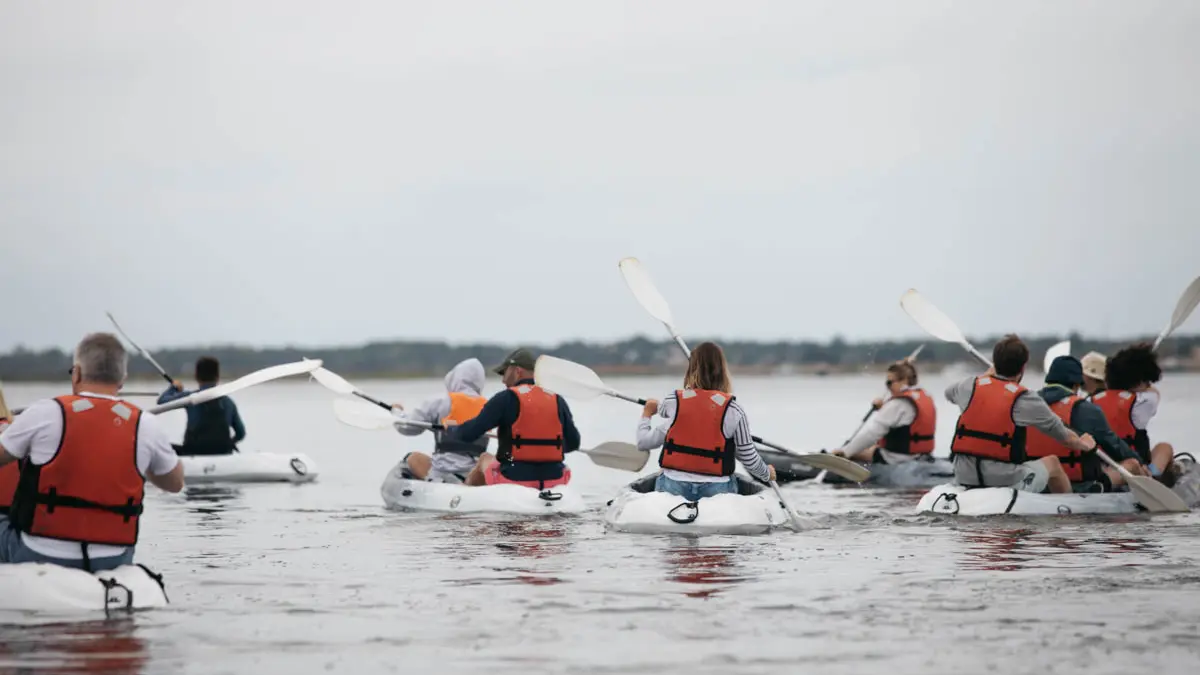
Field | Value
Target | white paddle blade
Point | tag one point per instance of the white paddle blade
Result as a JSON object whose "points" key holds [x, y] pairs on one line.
{"points": [[255, 378], [362, 415], [1059, 349], [615, 455], [1156, 497], [930, 318], [568, 378], [334, 382], [1183, 309], [5, 413], [850, 470], [638, 280]]}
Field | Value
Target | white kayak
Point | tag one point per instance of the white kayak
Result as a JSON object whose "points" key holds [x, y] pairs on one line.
{"points": [[403, 493], [50, 589], [641, 510], [248, 467], [953, 499]]}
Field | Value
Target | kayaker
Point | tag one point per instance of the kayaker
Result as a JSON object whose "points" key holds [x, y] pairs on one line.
{"points": [[83, 463], [534, 430], [903, 426], [989, 438], [1085, 470], [707, 435], [451, 461], [1093, 373], [208, 424], [1131, 400]]}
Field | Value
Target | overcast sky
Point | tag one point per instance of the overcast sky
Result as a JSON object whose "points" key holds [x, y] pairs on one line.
{"points": [[322, 173]]}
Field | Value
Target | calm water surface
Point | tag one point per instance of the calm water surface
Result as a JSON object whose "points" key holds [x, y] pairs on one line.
{"points": [[321, 578]]}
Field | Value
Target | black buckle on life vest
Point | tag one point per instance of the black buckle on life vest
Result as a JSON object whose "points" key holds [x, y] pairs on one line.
{"points": [[1004, 440], [556, 442], [52, 500], [715, 455]]}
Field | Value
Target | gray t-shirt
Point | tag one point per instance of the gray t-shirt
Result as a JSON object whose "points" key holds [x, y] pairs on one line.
{"points": [[1029, 410]]}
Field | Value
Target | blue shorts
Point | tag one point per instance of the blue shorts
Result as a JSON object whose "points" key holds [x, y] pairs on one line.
{"points": [[694, 491], [13, 550]]}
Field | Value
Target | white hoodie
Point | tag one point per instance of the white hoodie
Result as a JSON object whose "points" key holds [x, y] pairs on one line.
{"points": [[465, 378]]}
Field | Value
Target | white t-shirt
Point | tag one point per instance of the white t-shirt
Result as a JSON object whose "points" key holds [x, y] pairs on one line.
{"points": [[1145, 407], [36, 433]]}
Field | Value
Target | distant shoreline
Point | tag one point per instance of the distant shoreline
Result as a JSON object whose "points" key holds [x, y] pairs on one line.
{"points": [[638, 356]]}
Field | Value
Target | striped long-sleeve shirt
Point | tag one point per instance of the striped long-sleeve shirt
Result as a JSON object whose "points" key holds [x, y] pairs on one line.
{"points": [[735, 426]]}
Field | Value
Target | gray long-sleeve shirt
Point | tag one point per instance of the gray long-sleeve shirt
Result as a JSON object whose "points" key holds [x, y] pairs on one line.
{"points": [[1028, 411]]}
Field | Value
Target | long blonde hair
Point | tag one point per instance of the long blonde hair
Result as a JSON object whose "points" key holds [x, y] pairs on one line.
{"points": [[707, 369]]}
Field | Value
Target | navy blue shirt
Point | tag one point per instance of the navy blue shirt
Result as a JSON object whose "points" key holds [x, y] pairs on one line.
{"points": [[501, 410], [193, 412]]}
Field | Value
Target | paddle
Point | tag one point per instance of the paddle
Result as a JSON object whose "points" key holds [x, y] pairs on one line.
{"points": [[614, 455], [145, 354], [1183, 309], [574, 380], [1058, 349], [653, 302], [1150, 493], [255, 378]]}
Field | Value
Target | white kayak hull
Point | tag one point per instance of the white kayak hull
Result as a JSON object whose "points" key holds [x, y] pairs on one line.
{"points": [[248, 467], [956, 500], [638, 509], [44, 588], [953, 499], [401, 493]]}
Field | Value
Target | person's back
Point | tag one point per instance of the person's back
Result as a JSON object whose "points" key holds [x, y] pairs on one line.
{"points": [[1061, 393], [534, 428], [707, 435], [1130, 401], [209, 424], [84, 459], [989, 445], [452, 460]]}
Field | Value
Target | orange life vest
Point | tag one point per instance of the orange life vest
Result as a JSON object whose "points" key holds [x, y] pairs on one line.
{"points": [[91, 490], [1117, 407], [1039, 445], [463, 407], [537, 434], [696, 441], [916, 438], [986, 428]]}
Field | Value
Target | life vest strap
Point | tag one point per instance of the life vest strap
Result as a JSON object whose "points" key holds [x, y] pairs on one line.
{"points": [[918, 438], [52, 500], [716, 455], [1004, 440], [556, 442]]}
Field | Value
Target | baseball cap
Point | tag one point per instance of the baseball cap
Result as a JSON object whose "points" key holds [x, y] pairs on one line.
{"points": [[1094, 364], [519, 357]]}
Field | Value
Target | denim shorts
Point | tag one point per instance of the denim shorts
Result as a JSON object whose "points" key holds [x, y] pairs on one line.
{"points": [[694, 491], [13, 550]]}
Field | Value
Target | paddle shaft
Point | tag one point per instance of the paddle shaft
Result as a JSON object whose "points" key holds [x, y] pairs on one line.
{"points": [[145, 354]]}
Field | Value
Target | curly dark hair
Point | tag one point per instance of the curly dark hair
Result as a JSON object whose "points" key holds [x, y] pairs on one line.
{"points": [[1132, 366]]}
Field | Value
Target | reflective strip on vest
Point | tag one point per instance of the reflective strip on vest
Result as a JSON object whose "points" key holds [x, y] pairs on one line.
{"points": [[696, 442], [91, 490], [986, 428], [537, 434], [916, 438]]}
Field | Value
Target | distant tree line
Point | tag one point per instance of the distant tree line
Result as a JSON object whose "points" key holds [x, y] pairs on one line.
{"points": [[634, 355]]}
